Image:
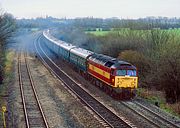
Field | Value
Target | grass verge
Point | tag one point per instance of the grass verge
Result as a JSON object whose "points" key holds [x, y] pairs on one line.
{"points": [[8, 76], [98, 33]]}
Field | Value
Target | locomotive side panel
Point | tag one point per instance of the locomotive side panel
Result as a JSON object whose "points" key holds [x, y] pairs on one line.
{"points": [[100, 72]]}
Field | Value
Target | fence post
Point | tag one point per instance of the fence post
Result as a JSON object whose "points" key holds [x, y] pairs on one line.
{"points": [[3, 115]]}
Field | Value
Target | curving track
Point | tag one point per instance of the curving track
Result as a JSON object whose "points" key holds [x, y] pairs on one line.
{"points": [[152, 117], [109, 118], [34, 116]]}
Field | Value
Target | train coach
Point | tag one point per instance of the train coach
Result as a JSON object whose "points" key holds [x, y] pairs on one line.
{"points": [[117, 78], [78, 57], [60, 48]]}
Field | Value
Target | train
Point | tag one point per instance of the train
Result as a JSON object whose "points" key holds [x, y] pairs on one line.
{"points": [[117, 78]]}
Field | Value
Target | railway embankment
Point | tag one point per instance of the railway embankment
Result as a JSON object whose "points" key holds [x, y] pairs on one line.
{"points": [[8, 79]]}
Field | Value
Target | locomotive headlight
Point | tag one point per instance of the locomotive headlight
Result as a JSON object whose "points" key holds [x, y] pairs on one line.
{"points": [[133, 83], [112, 80]]}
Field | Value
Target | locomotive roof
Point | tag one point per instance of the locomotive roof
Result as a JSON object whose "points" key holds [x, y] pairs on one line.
{"points": [[81, 52], [109, 61], [101, 59], [122, 64]]}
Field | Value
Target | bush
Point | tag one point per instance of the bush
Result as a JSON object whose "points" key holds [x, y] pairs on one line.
{"points": [[174, 108], [7, 27], [169, 70]]}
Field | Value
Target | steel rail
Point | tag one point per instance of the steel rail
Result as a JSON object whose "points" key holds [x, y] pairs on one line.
{"points": [[154, 113], [141, 115], [35, 93], [22, 92], [33, 89]]}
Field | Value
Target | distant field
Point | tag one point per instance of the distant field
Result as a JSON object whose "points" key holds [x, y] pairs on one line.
{"points": [[98, 33], [103, 33]]}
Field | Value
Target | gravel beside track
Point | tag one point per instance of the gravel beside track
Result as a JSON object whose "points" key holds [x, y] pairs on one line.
{"points": [[15, 107], [61, 108], [33, 113]]}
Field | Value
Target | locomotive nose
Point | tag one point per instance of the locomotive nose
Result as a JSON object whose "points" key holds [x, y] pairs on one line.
{"points": [[125, 82]]}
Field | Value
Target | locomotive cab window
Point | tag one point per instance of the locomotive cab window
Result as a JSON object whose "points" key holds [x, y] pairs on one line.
{"points": [[126, 72], [131, 72], [121, 72]]}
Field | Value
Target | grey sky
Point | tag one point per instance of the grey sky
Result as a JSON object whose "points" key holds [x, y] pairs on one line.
{"points": [[95, 8]]}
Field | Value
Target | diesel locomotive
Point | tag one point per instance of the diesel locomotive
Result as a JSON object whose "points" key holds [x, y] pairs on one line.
{"points": [[117, 78]]}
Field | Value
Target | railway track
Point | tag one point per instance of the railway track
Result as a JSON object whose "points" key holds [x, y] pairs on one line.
{"points": [[108, 118], [34, 116], [152, 117]]}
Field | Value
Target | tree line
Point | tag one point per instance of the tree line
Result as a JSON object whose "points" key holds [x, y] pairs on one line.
{"points": [[147, 23], [7, 27], [91, 23]]}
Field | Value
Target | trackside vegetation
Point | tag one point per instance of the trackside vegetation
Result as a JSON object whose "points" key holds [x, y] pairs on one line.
{"points": [[7, 28]]}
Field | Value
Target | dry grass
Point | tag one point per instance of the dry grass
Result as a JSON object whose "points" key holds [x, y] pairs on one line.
{"points": [[175, 107], [9, 62], [8, 68], [151, 94]]}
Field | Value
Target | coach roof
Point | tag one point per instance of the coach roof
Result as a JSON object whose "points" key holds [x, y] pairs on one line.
{"points": [[81, 52]]}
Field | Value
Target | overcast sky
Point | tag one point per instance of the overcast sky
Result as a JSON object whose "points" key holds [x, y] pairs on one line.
{"points": [[95, 8]]}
